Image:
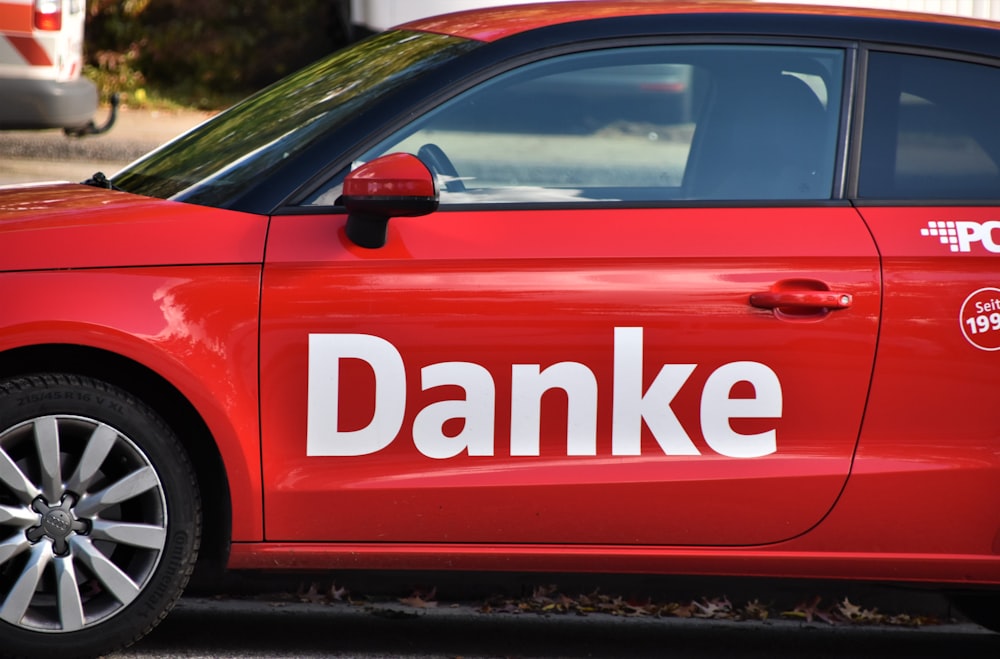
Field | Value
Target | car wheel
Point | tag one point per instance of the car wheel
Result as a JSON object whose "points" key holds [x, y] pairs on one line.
{"points": [[99, 517]]}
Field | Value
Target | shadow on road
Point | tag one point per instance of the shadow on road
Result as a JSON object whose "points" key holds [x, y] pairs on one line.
{"points": [[240, 628]]}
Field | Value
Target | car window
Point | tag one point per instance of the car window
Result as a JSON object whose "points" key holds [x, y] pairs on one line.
{"points": [[930, 129], [236, 150], [635, 124]]}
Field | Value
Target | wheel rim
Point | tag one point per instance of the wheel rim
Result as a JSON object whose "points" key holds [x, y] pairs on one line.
{"points": [[83, 523]]}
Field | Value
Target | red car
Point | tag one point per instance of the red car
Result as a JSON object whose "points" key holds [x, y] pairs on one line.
{"points": [[443, 301]]}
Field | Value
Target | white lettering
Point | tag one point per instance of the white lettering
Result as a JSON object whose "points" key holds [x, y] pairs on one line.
{"points": [[528, 386], [972, 232], [988, 306], [323, 434], [717, 408], [476, 410], [631, 407], [474, 414]]}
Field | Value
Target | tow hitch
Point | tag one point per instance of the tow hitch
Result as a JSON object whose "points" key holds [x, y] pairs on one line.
{"points": [[93, 129]]}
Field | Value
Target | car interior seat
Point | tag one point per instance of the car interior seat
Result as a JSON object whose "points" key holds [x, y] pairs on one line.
{"points": [[761, 137]]}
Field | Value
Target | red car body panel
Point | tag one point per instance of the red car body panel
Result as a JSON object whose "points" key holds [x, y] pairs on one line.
{"points": [[812, 561], [923, 484], [927, 461], [44, 228], [858, 437], [182, 300], [507, 300]]}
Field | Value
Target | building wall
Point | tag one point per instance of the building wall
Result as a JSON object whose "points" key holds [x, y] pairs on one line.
{"points": [[378, 15], [989, 9]]}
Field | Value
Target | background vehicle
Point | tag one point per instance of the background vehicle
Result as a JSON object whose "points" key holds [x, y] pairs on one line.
{"points": [[41, 61]]}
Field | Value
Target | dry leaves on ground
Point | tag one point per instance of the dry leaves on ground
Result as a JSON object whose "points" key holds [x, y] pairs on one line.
{"points": [[549, 600]]}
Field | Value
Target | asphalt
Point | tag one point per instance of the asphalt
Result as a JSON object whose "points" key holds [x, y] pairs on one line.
{"points": [[521, 590], [48, 155], [279, 629]]}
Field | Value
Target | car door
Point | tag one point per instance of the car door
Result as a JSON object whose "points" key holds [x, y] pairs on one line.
{"points": [[929, 189], [638, 317]]}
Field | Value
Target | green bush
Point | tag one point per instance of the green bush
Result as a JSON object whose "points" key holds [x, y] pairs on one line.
{"points": [[197, 52]]}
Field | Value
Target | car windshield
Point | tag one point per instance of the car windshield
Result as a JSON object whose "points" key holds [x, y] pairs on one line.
{"points": [[226, 156]]}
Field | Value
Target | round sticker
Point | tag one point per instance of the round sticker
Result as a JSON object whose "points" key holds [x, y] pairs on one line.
{"points": [[980, 318]]}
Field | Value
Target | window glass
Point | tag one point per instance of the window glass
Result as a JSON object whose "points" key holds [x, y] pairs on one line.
{"points": [[636, 124], [930, 129], [233, 152]]}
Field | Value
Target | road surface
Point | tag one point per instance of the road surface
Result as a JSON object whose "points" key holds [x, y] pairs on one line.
{"points": [[34, 156], [203, 628]]}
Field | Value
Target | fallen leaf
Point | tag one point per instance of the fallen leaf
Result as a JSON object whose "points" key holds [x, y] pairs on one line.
{"points": [[848, 610], [337, 594], [755, 611], [715, 608], [809, 612], [312, 595], [420, 601]]}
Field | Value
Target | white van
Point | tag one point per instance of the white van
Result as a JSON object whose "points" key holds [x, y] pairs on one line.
{"points": [[41, 60]]}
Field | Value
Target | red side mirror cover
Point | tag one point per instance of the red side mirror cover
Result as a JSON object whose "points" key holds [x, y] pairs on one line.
{"points": [[394, 185]]}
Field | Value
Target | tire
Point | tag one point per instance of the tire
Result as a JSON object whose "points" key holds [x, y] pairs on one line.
{"points": [[99, 517]]}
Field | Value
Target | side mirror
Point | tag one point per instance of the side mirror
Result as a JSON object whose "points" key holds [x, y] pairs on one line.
{"points": [[396, 185]]}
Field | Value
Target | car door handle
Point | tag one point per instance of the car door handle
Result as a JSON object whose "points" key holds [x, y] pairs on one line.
{"points": [[801, 300]]}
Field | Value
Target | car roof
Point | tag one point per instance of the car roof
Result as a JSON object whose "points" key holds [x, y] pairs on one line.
{"points": [[496, 23]]}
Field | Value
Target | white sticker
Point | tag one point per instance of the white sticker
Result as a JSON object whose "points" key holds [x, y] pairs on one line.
{"points": [[980, 319], [634, 405]]}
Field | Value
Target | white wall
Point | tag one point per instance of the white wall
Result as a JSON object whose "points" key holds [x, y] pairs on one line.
{"points": [[382, 14], [989, 9]]}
